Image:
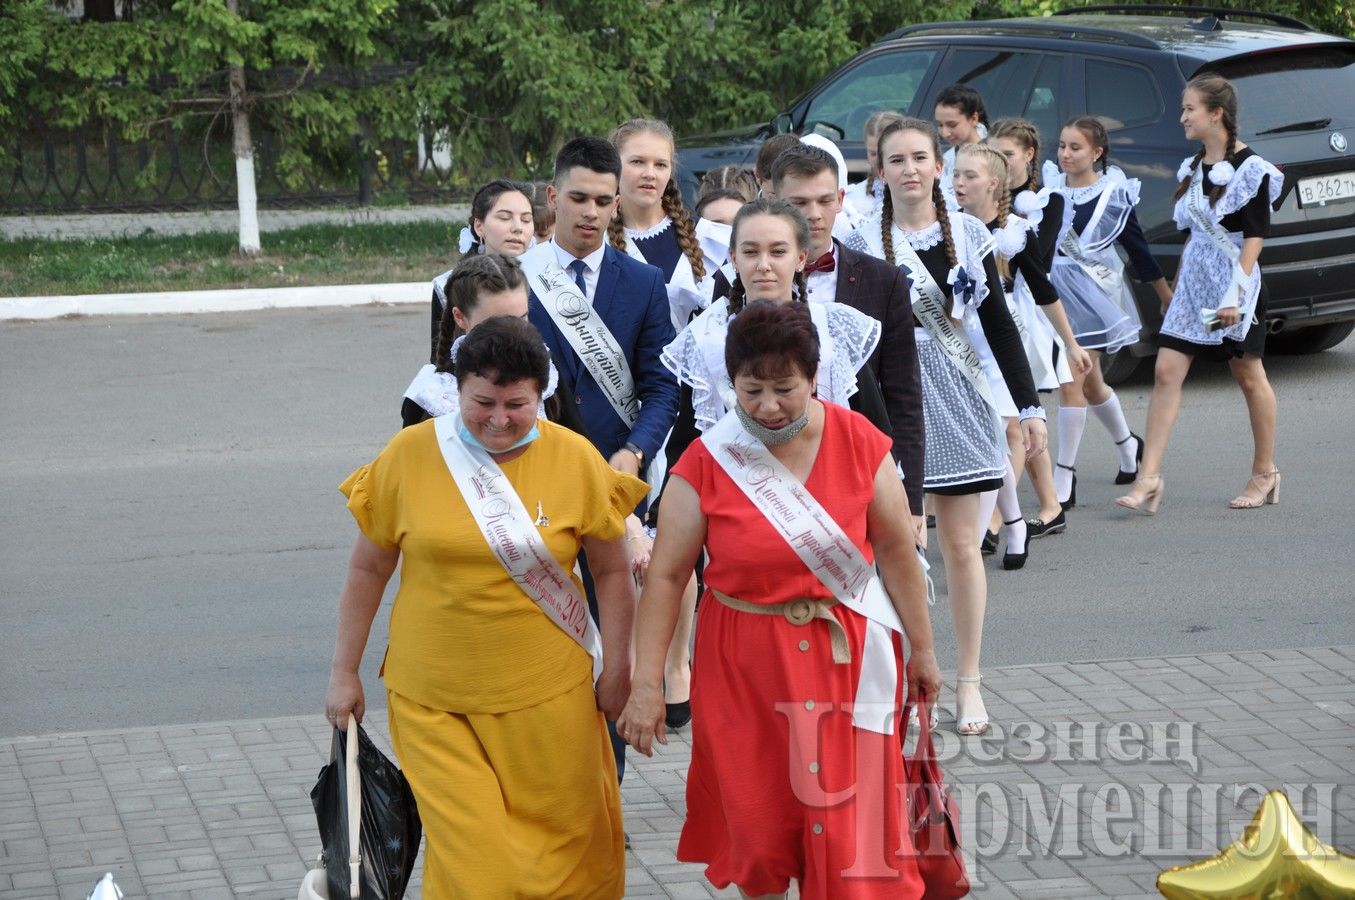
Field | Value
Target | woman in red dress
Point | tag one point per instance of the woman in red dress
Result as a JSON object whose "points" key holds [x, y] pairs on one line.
{"points": [[788, 780]]}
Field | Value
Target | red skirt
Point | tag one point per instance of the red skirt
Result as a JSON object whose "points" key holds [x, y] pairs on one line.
{"points": [[782, 785]]}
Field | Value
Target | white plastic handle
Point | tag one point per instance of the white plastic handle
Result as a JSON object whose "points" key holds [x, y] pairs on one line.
{"points": [[354, 810]]}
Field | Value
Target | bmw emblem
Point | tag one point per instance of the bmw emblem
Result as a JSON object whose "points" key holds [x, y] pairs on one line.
{"points": [[1338, 142]]}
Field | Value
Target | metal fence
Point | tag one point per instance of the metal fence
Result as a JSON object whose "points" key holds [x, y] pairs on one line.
{"points": [[95, 170]]}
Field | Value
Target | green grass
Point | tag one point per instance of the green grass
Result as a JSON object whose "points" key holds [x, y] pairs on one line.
{"points": [[310, 255]]}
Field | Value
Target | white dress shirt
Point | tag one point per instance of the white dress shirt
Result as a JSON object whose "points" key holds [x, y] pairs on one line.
{"points": [[823, 285], [592, 266]]}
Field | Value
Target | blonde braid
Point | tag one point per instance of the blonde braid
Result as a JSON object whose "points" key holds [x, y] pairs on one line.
{"points": [[616, 231], [685, 230]]}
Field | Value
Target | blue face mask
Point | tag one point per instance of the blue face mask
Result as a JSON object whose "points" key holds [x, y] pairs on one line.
{"points": [[474, 442]]}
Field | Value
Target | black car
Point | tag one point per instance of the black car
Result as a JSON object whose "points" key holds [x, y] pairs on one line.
{"points": [[1128, 65]]}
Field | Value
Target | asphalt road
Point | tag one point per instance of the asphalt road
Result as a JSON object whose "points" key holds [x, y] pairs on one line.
{"points": [[172, 542]]}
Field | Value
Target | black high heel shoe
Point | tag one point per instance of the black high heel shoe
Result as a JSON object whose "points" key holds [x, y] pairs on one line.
{"points": [[1013, 561], [988, 546], [1072, 492], [1123, 477]]}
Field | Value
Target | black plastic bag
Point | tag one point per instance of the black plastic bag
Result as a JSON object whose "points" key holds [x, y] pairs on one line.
{"points": [[391, 830]]}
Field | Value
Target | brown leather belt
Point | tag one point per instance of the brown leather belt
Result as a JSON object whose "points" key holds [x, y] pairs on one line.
{"points": [[800, 611]]}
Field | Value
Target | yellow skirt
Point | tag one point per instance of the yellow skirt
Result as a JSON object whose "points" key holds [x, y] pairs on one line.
{"points": [[518, 805]]}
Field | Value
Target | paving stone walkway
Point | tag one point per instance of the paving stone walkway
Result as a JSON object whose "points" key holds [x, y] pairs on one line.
{"points": [[1095, 777]]}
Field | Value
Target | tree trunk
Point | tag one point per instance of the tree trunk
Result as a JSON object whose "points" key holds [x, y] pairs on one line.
{"points": [[246, 198]]}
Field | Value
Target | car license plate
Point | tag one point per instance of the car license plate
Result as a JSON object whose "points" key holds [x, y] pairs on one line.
{"points": [[1324, 189]]}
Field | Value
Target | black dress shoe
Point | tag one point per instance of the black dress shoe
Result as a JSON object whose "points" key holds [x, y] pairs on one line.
{"points": [[1123, 477], [1036, 528], [988, 546], [1072, 492], [1013, 561], [677, 715], [931, 521]]}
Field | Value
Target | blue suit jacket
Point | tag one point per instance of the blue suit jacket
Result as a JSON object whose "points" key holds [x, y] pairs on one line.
{"points": [[633, 302]]}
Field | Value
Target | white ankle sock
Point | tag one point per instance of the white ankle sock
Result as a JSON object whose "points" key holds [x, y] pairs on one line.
{"points": [[987, 500], [1009, 506], [1072, 420], [1112, 416]]}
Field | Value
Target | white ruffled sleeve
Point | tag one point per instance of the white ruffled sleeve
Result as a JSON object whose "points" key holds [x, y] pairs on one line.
{"points": [[690, 357], [1031, 206], [1010, 239], [1052, 176], [1246, 181], [855, 336]]}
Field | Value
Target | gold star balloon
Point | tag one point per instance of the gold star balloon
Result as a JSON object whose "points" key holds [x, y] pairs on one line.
{"points": [[1277, 857]]}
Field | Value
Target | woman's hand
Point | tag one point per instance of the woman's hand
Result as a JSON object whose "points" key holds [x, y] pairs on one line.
{"points": [[1227, 316], [641, 722], [1034, 436], [344, 696], [924, 679], [640, 547], [612, 689], [1080, 360]]}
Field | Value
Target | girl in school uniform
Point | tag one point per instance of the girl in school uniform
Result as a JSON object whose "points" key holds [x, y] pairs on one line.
{"points": [[1089, 278], [501, 221], [1051, 346], [961, 119], [953, 275], [652, 226], [981, 190], [1218, 310], [862, 200]]}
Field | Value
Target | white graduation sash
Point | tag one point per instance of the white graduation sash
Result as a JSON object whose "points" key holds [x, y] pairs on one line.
{"points": [[1205, 225], [1105, 277], [511, 534], [929, 305], [584, 329], [826, 550]]}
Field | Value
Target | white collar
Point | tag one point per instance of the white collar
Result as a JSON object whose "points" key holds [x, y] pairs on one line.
{"points": [[593, 260], [640, 234]]}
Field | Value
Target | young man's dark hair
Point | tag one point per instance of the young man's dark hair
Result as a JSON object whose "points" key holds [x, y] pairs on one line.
{"points": [[766, 154], [802, 161], [594, 154]]}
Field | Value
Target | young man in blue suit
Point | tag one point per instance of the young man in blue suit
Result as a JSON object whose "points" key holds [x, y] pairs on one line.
{"points": [[605, 319], [628, 404]]}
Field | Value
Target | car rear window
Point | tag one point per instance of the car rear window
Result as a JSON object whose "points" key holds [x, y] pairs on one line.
{"points": [[1293, 88]]}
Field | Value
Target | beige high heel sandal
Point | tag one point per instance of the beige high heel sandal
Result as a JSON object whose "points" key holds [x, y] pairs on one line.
{"points": [[1269, 497], [1148, 501]]}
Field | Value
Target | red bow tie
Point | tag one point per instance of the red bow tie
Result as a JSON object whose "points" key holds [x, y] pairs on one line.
{"points": [[824, 263]]}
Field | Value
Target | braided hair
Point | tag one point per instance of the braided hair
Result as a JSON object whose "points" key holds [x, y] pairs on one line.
{"points": [[737, 179], [995, 164], [485, 273], [1027, 136], [780, 209], [1215, 92], [928, 130], [673, 208]]}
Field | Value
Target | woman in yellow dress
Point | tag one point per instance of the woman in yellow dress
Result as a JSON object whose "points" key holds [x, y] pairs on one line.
{"points": [[497, 682]]}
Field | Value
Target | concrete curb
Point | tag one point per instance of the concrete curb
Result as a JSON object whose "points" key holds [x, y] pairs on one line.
{"points": [[236, 300]]}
